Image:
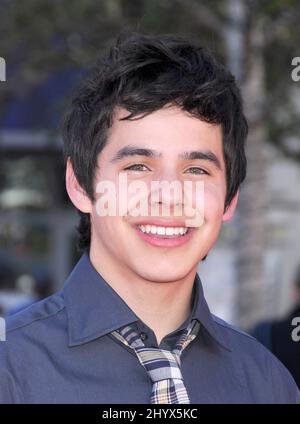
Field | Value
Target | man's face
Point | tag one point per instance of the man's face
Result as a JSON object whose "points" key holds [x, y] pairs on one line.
{"points": [[135, 244]]}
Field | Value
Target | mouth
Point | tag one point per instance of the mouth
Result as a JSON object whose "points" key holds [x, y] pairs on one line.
{"points": [[164, 236]]}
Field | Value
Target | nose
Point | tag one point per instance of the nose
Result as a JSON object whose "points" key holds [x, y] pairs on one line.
{"points": [[172, 195], [167, 189]]}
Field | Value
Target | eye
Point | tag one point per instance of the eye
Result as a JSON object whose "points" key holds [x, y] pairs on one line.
{"points": [[137, 167], [196, 170]]}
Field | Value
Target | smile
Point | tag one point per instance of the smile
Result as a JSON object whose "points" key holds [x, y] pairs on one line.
{"points": [[161, 231], [164, 236]]}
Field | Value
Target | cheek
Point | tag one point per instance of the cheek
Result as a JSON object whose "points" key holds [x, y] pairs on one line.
{"points": [[107, 229], [214, 200]]}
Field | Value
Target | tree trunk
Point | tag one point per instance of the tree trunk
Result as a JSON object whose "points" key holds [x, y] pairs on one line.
{"points": [[244, 42]]}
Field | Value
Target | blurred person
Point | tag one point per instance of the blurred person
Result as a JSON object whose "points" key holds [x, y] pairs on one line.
{"points": [[131, 324], [282, 337]]}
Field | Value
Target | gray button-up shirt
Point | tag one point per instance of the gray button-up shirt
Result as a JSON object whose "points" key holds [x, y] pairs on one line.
{"points": [[60, 350]]}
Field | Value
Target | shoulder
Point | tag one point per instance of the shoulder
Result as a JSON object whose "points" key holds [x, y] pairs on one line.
{"points": [[35, 314], [29, 337], [31, 326], [258, 363], [27, 334]]}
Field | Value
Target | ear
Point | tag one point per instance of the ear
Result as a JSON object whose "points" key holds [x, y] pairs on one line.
{"points": [[230, 210], [76, 193]]}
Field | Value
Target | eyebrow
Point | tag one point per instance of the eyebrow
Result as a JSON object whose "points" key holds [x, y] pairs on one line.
{"points": [[128, 151], [134, 151], [202, 155]]}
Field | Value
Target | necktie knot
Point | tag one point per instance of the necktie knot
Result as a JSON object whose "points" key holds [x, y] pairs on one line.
{"points": [[162, 366], [159, 363]]}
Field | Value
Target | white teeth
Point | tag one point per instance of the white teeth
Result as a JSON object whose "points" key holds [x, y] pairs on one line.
{"points": [[169, 231], [161, 230], [153, 229]]}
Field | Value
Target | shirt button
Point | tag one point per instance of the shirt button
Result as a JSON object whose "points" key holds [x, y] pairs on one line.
{"points": [[143, 336]]}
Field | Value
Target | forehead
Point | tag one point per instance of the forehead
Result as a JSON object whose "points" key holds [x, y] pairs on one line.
{"points": [[169, 130]]}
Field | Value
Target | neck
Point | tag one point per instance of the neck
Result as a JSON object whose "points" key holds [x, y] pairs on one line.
{"points": [[162, 306]]}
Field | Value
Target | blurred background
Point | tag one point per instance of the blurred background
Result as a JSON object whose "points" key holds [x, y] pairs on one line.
{"points": [[49, 47]]}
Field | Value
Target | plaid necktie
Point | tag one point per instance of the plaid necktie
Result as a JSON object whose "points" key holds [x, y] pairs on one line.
{"points": [[163, 366]]}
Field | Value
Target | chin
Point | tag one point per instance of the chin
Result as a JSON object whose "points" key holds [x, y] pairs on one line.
{"points": [[165, 274]]}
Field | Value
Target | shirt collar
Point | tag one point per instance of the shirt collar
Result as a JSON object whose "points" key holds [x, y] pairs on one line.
{"points": [[94, 308], [202, 312]]}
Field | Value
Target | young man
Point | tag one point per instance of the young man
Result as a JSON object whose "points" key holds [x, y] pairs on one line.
{"points": [[131, 324]]}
